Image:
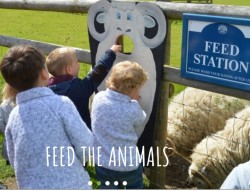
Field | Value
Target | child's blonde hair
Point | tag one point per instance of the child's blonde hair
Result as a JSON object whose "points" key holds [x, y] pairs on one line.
{"points": [[8, 92], [126, 76], [59, 59]]}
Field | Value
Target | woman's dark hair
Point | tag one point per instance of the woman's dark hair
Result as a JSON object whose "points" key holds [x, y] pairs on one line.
{"points": [[21, 66]]}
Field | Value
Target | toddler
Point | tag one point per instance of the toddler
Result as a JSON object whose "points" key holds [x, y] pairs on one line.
{"points": [[117, 118]]}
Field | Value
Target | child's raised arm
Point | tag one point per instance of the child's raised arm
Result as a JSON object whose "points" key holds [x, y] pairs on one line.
{"points": [[101, 69]]}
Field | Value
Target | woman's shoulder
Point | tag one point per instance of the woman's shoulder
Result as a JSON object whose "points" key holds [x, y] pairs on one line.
{"points": [[61, 100]]}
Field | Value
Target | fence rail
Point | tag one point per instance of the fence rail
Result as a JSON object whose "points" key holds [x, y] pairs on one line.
{"points": [[189, 1], [7, 41], [170, 74], [173, 75], [172, 10]]}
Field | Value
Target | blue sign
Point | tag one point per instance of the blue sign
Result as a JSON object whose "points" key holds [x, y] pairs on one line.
{"points": [[216, 50]]}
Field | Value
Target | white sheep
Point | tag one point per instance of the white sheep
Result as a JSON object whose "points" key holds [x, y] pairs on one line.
{"points": [[216, 155], [193, 114]]}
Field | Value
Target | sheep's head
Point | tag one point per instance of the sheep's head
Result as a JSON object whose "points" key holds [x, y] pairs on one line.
{"points": [[142, 22], [207, 172], [197, 177]]}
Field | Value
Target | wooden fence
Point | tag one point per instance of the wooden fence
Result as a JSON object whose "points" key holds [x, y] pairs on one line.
{"points": [[189, 1], [173, 11]]}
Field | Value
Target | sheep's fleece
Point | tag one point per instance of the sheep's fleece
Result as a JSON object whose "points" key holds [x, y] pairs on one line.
{"points": [[216, 155], [193, 114]]}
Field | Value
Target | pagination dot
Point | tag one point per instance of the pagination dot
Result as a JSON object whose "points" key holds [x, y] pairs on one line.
{"points": [[90, 183], [116, 183], [107, 183], [124, 183], [98, 183]]}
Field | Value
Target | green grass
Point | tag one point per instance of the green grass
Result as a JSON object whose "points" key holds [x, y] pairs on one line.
{"points": [[71, 30], [54, 27], [232, 2], [5, 171]]}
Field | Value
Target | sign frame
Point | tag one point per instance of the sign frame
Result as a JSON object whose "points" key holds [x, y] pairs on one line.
{"points": [[214, 75]]}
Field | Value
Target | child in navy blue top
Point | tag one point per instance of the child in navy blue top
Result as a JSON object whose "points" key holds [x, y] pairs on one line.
{"points": [[63, 65]]}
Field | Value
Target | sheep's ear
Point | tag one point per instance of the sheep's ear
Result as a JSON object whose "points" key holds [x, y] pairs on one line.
{"points": [[100, 18], [149, 21], [97, 18], [154, 19], [203, 169]]}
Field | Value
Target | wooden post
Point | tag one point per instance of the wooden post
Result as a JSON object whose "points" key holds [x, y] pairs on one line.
{"points": [[158, 173]]}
